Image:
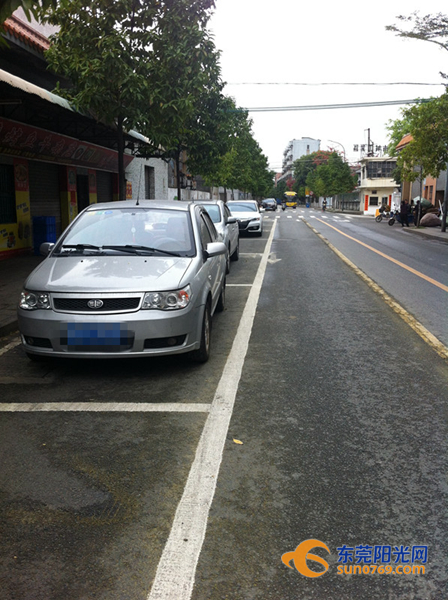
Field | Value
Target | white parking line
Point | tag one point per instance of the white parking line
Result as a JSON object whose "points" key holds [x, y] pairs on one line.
{"points": [[177, 567], [238, 284], [102, 407], [10, 346]]}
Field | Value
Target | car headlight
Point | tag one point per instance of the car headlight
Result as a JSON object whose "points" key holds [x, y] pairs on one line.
{"points": [[34, 300], [172, 300]]}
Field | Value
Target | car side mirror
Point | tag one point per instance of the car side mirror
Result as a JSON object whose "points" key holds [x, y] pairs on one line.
{"points": [[46, 248], [215, 249], [262, 209], [231, 220]]}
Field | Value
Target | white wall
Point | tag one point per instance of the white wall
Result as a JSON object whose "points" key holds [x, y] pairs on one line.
{"points": [[135, 173]]}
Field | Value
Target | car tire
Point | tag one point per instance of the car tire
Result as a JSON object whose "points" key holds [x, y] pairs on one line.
{"points": [[220, 307], [201, 355], [235, 256], [259, 233], [228, 261]]}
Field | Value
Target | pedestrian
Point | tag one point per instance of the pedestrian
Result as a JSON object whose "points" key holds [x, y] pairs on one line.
{"points": [[417, 213], [404, 212], [324, 205]]}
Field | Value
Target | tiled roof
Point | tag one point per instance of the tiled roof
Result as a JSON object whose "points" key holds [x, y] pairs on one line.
{"points": [[26, 34], [404, 141]]}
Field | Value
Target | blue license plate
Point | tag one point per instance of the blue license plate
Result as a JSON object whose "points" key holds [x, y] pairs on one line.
{"points": [[95, 334]]}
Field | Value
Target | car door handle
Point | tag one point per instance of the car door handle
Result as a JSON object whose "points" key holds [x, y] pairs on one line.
{"points": [[210, 277]]}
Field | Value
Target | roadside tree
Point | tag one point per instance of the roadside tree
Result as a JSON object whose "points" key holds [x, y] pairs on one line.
{"points": [[116, 55]]}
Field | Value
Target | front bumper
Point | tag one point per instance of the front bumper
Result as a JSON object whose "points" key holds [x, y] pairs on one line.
{"points": [[119, 335]]}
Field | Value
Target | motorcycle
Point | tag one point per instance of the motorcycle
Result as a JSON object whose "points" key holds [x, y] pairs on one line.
{"points": [[383, 214]]}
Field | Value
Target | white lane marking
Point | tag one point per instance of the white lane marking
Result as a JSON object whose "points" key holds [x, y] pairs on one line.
{"points": [[277, 217], [102, 407], [251, 254], [177, 567], [10, 346], [238, 285], [289, 217]]}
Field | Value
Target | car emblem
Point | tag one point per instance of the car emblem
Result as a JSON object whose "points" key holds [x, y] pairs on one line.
{"points": [[95, 303]]}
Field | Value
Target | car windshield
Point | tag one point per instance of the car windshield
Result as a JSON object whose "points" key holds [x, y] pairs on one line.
{"points": [[214, 211], [138, 230], [243, 207]]}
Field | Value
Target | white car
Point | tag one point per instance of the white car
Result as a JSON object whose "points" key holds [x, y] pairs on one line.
{"points": [[226, 225], [248, 214]]}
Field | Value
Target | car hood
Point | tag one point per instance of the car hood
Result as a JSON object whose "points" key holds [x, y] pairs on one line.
{"points": [[80, 274], [246, 215]]}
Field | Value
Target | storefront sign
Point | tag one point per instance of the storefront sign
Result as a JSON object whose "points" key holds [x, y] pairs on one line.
{"points": [[17, 139]]}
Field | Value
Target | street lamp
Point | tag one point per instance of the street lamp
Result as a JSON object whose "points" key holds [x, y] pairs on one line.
{"points": [[339, 144]]}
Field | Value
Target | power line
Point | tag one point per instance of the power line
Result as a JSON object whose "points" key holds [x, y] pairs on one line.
{"points": [[333, 106], [330, 83]]}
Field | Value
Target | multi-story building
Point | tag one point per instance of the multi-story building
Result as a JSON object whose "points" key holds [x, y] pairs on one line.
{"points": [[377, 186], [294, 150]]}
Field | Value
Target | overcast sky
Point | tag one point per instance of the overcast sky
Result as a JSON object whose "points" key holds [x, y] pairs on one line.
{"points": [[298, 41]]}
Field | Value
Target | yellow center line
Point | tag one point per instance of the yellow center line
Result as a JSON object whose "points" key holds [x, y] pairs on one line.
{"points": [[397, 262]]}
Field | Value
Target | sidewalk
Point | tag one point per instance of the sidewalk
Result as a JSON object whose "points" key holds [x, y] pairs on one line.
{"points": [[14, 271]]}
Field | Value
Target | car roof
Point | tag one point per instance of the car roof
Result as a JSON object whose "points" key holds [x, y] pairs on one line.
{"points": [[163, 204]]}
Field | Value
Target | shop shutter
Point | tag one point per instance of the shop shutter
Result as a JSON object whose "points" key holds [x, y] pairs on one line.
{"points": [[44, 192], [104, 186]]}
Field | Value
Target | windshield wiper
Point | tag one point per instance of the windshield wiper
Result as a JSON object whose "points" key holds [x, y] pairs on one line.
{"points": [[135, 249], [81, 247]]}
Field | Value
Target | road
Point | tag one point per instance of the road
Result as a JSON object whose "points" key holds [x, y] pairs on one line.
{"points": [[340, 408]]}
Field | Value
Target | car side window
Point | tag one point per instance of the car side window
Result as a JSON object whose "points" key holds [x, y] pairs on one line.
{"points": [[211, 227], [206, 237], [227, 213]]}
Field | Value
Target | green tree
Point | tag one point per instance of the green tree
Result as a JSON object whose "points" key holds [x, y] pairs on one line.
{"points": [[243, 166], [434, 29], [427, 152], [117, 55], [429, 28], [31, 8], [331, 177]]}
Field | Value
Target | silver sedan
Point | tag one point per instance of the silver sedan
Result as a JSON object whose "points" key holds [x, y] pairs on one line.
{"points": [[126, 279]]}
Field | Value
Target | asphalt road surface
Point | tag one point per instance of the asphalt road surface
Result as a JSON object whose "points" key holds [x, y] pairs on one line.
{"points": [[127, 480]]}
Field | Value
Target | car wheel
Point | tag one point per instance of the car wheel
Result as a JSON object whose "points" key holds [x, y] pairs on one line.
{"points": [[222, 298], [235, 256], [201, 355]]}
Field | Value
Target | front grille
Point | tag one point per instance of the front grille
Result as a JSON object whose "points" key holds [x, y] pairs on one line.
{"points": [[244, 224], [109, 304]]}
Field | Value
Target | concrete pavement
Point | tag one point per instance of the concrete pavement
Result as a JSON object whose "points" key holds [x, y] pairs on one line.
{"points": [[14, 271]]}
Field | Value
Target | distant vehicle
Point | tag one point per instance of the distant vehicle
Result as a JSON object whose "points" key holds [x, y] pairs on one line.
{"points": [[291, 199], [226, 225], [248, 214], [126, 279], [269, 204]]}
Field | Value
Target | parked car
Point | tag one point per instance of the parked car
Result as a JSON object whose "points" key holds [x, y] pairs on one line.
{"points": [[249, 217], [269, 204], [126, 279], [226, 225]]}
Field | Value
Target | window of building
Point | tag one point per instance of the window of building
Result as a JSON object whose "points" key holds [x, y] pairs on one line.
{"points": [[7, 195], [380, 169], [430, 193], [373, 200], [384, 201]]}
